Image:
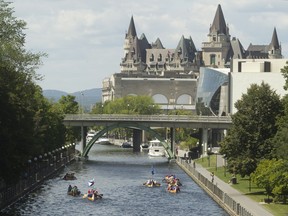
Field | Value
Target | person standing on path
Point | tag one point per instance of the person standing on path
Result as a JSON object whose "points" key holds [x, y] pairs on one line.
{"points": [[212, 177]]}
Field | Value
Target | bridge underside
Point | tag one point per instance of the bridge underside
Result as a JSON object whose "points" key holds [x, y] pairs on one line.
{"points": [[136, 126]]}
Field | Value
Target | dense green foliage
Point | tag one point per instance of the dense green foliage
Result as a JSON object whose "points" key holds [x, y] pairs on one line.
{"points": [[254, 125], [30, 125], [273, 176], [143, 105], [284, 72]]}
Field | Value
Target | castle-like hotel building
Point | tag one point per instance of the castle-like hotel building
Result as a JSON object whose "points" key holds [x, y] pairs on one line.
{"points": [[172, 75]]}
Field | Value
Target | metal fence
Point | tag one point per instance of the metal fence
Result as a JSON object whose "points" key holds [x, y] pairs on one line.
{"points": [[224, 200], [39, 169]]}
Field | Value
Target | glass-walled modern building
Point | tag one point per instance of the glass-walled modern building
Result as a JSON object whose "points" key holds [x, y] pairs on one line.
{"points": [[212, 91]]}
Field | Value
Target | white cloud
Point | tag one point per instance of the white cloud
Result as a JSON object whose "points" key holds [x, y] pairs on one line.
{"points": [[84, 39]]}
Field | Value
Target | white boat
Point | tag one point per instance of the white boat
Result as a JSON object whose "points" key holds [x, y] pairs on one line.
{"points": [[103, 141], [156, 149], [90, 135], [144, 147]]}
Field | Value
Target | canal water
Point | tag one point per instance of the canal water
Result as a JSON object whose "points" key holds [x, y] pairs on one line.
{"points": [[119, 175]]}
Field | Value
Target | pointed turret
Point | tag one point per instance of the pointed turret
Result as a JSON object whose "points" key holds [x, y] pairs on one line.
{"points": [[274, 42], [215, 52], [186, 49], [274, 47], [132, 29], [134, 51], [130, 37], [157, 44], [219, 25]]}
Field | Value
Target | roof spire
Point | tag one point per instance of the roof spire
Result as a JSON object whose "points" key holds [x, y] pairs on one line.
{"points": [[132, 29], [219, 24], [274, 42]]}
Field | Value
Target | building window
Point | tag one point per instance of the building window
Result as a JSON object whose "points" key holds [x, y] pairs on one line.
{"points": [[160, 57], [152, 57], [212, 59]]}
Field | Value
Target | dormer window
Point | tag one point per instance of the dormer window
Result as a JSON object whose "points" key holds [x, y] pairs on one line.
{"points": [[152, 57]]}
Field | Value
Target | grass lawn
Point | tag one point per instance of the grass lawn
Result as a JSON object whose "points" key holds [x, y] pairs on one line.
{"points": [[243, 185]]}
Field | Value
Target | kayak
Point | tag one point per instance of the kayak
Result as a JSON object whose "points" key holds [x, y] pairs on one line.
{"points": [[151, 183], [92, 197]]}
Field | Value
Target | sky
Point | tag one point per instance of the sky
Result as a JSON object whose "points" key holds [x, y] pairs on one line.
{"points": [[84, 39]]}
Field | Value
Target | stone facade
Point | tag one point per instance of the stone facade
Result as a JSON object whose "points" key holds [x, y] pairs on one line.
{"points": [[170, 75]]}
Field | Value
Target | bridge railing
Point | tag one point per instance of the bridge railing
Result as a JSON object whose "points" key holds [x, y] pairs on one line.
{"points": [[123, 117]]}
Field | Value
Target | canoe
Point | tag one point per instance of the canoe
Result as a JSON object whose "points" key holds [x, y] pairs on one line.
{"points": [[173, 189], [92, 197], [151, 183]]}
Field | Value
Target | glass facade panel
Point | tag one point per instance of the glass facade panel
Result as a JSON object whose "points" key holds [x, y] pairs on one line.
{"points": [[210, 80]]}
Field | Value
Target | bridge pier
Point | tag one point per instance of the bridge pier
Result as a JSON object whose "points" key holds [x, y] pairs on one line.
{"points": [[204, 141], [137, 138], [172, 136], [83, 137]]}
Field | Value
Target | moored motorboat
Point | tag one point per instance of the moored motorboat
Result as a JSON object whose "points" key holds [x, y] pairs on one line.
{"points": [[156, 149], [126, 145], [103, 141], [144, 146], [90, 135]]}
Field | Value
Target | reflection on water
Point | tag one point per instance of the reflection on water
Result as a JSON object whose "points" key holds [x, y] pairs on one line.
{"points": [[119, 175]]}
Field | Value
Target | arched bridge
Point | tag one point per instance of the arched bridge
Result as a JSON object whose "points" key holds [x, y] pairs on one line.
{"points": [[145, 122]]}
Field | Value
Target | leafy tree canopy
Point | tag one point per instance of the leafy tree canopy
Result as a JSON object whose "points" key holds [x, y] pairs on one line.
{"points": [[273, 176], [143, 105], [254, 124], [281, 138], [29, 124]]}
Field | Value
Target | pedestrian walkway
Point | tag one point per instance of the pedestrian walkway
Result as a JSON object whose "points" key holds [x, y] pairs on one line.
{"points": [[250, 205]]}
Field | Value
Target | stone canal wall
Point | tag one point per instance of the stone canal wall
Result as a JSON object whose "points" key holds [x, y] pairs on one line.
{"points": [[225, 201], [39, 169]]}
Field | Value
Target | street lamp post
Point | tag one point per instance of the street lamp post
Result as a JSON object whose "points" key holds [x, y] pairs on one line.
{"points": [[216, 159], [128, 105], [225, 166], [82, 102]]}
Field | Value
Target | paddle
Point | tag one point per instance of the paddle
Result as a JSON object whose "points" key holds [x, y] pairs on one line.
{"points": [[99, 195]]}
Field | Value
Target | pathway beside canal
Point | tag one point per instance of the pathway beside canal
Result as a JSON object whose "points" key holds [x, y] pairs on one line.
{"points": [[253, 207]]}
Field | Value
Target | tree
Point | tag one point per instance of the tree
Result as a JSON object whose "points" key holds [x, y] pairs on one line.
{"points": [[68, 105], [261, 176], [272, 175], [281, 138], [143, 105], [284, 72], [21, 101], [254, 125]]}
